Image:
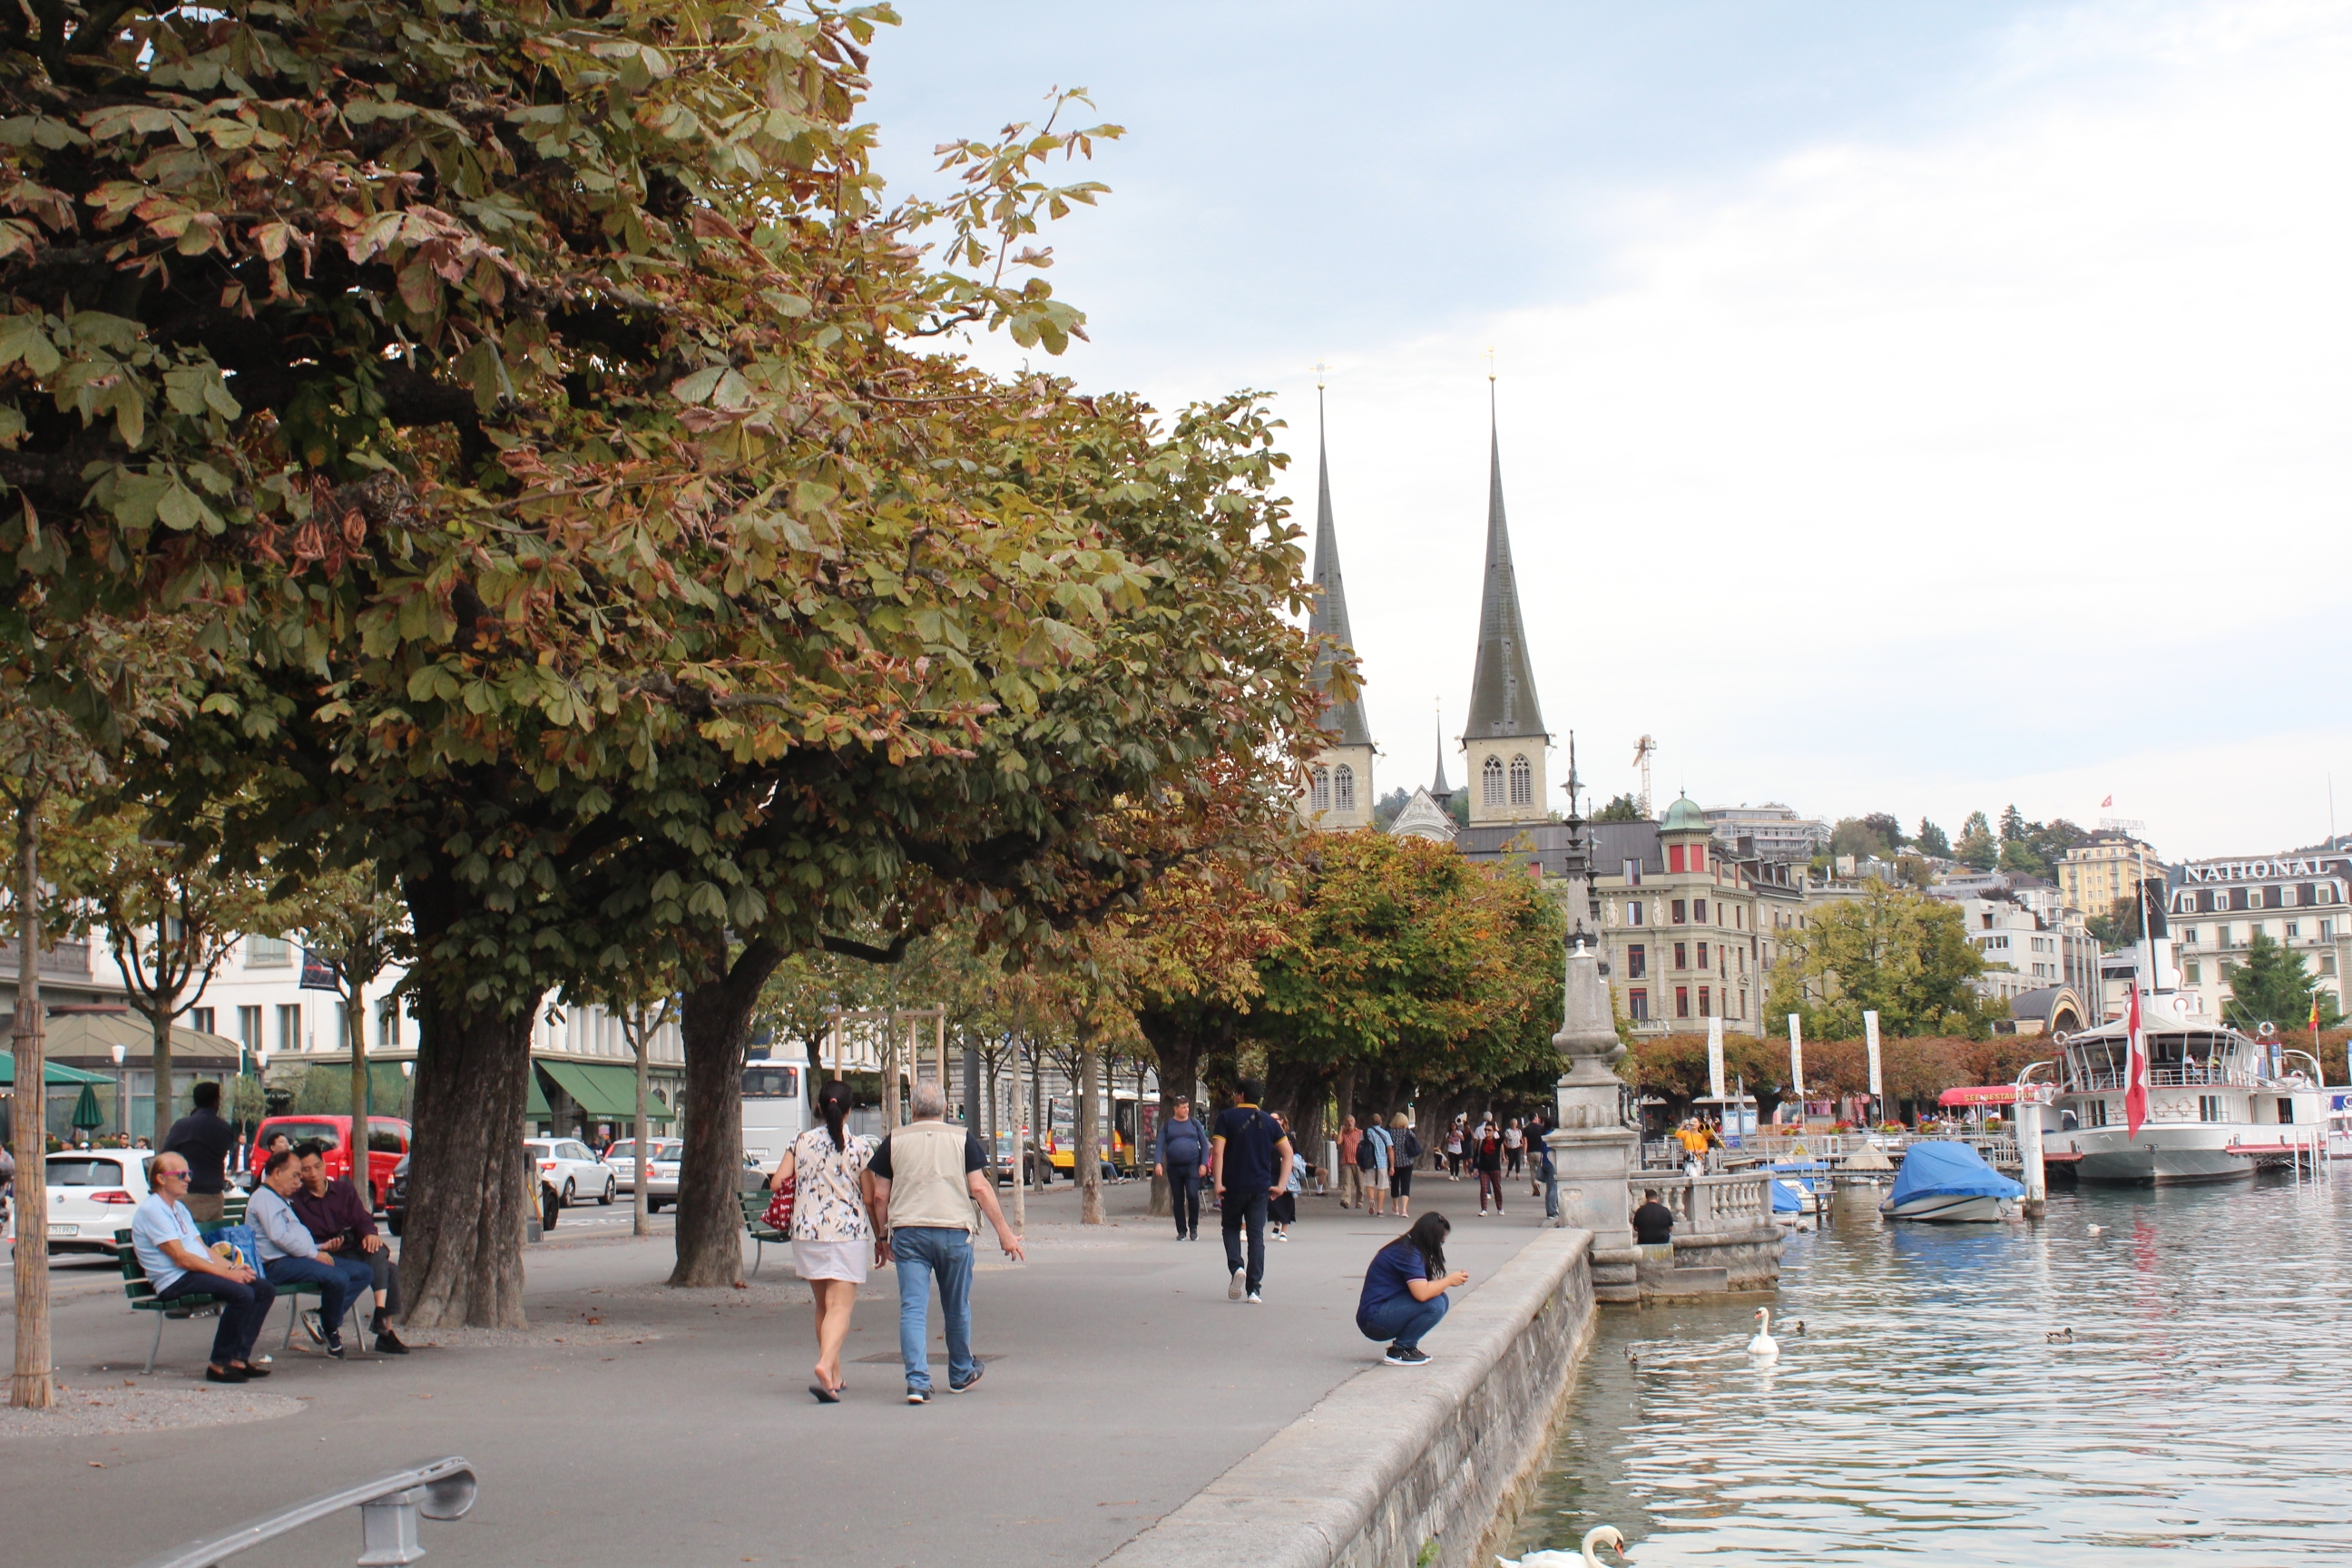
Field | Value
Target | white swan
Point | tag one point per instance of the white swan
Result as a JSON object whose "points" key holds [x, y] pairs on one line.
{"points": [[1764, 1345], [2092, 1229], [1597, 1536]]}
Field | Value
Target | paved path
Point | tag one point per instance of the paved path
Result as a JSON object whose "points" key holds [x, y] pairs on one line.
{"points": [[633, 1424]]}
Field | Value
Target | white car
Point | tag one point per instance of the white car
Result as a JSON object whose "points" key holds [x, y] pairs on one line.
{"points": [[567, 1166], [92, 1194], [661, 1182]]}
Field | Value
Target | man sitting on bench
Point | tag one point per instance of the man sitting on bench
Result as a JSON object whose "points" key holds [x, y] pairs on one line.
{"points": [[340, 1223], [177, 1263], [289, 1257]]}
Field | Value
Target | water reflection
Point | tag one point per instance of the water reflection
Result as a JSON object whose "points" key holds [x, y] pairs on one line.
{"points": [[2201, 1406]]}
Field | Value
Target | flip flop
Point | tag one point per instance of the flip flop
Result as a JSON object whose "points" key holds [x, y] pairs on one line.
{"points": [[824, 1395]]}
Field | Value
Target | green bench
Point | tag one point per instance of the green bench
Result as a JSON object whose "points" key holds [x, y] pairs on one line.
{"points": [[141, 1291], [755, 1211]]}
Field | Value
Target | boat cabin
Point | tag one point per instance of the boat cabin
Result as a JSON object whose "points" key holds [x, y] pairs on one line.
{"points": [[2229, 1065]]}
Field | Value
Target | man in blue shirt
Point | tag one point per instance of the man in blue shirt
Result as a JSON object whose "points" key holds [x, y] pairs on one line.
{"points": [[1184, 1151], [1252, 1165], [177, 1263], [288, 1255]]}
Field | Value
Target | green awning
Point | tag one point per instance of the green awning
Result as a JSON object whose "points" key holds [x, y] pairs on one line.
{"points": [[52, 1073], [535, 1105], [603, 1091]]}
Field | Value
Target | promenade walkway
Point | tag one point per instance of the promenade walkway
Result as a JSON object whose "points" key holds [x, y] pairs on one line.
{"points": [[633, 1423]]}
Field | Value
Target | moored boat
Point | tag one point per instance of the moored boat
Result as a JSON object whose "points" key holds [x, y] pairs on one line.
{"points": [[1948, 1183]]}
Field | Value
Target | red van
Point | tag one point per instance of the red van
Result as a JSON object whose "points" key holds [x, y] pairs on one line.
{"points": [[388, 1139]]}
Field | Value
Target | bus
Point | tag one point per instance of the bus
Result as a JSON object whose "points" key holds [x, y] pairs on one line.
{"points": [[775, 1109]]}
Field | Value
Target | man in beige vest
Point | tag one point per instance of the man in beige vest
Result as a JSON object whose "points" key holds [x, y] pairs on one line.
{"points": [[927, 1177]]}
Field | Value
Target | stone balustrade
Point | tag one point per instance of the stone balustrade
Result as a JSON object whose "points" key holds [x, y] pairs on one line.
{"points": [[1725, 1240]]}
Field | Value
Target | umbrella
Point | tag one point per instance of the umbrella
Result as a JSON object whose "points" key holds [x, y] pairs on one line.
{"points": [[86, 1112]]}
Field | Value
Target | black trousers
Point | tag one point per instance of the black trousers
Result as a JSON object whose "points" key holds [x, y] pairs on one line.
{"points": [[242, 1308], [1184, 1198], [1241, 1210]]}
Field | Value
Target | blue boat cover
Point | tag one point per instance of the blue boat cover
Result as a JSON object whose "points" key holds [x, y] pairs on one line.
{"points": [[1785, 1199], [1948, 1170]]}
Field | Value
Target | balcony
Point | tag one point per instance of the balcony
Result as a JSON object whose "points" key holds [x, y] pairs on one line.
{"points": [[66, 961]]}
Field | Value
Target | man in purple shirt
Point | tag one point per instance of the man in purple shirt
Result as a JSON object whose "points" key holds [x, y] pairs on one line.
{"points": [[340, 1223]]}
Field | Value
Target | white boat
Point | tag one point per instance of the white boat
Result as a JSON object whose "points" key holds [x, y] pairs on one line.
{"points": [[2219, 1102]]}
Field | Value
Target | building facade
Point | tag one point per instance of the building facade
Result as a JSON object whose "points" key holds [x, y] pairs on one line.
{"points": [[1772, 831], [2092, 876], [1504, 743], [2298, 900]]}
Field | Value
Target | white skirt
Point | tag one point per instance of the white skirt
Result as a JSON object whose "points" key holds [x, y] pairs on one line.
{"points": [[833, 1260]]}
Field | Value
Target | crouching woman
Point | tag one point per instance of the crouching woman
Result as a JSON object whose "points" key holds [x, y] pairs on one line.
{"points": [[1404, 1291]]}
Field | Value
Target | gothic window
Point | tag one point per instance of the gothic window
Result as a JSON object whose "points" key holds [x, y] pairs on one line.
{"points": [[1523, 783], [1343, 787], [1490, 781], [1321, 795]]}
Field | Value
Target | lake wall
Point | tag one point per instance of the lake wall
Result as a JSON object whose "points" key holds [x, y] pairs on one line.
{"points": [[1421, 1466]]}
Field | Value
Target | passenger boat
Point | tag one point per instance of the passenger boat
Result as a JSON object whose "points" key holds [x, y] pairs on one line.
{"points": [[2218, 1102], [1948, 1183]]}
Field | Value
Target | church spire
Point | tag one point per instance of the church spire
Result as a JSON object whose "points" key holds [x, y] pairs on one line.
{"points": [[1330, 615], [1503, 690], [1441, 792]]}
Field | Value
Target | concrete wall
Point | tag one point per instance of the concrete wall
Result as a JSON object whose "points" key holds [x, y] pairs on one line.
{"points": [[1398, 1461]]}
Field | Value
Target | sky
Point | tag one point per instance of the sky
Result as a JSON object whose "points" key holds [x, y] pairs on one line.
{"points": [[1916, 408]]}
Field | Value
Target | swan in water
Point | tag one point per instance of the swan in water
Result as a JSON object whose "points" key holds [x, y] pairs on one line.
{"points": [[2092, 1229], [1764, 1344], [1599, 1535]]}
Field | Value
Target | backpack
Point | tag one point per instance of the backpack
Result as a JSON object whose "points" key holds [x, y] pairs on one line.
{"points": [[1367, 1154]]}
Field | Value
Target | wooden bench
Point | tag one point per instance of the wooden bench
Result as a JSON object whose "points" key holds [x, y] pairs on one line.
{"points": [[755, 1210]]}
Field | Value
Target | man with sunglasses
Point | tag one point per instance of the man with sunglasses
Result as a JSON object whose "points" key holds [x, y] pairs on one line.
{"points": [[178, 1263]]}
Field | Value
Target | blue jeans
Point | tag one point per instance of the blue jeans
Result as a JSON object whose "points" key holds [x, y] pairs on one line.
{"points": [[1184, 1198], [1402, 1320], [340, 1282], [921, 1251]]}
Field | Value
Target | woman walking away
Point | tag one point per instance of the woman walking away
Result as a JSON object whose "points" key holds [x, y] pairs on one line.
{"points": [[1489, 1160], [1404, 1291], [1282, 1213], [1404, 1150], [1453, 1151], [835, 1226]]}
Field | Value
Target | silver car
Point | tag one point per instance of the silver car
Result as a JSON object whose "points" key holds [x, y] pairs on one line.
{"points": [[661, 1180]]}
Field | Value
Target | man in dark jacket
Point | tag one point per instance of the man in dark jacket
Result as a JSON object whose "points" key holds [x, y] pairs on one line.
{"points": [[340, 1223], [1184, 1151], [204, 1141], [1653, 1222]]}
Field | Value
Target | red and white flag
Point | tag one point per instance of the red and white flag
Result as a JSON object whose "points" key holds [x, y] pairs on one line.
{"points": [[2109, 801], [2135, 1070]]}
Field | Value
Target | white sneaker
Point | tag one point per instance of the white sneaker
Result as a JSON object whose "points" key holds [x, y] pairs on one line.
{"points": [[1241, 1282], [1255, 1300]]}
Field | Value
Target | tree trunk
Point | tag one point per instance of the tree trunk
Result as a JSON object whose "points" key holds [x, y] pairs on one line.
{"points": [[31, 1387], [1085, 1163], [470, 1188], [715, 1020], [356, 1025], [640, 1218], [159, 1022]]}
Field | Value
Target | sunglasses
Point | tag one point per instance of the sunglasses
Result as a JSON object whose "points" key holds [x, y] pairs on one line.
{"points": [[171, 1176]]}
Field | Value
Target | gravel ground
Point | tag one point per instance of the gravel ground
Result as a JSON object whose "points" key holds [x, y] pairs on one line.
{"points": [[85, 1412]]}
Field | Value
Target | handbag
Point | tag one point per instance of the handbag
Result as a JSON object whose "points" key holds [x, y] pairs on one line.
{"points": [[779, 1217], [245, 1247]]}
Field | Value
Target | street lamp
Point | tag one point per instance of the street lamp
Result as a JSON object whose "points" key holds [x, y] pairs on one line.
{"points": [[122, 1094]]}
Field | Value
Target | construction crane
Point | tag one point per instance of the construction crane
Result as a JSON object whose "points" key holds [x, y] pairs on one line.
{"points": [[1643, 751]]}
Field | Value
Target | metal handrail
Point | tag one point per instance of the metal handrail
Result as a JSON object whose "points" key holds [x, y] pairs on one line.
{"points": [[389, 1507]]}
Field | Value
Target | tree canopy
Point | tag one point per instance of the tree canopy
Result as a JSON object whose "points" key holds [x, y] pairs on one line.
{"points": [[1898, 953], [2274, 985]]}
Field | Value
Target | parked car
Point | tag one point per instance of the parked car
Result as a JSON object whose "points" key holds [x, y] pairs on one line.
{"points": [[388, 1139], [570, 1170], [395, 1198], [661, 1179], [1040, 1169], [91, 1195]]}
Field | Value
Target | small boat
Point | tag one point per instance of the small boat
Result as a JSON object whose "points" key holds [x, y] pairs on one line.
{"points": [[1799, 1187], [1949, 1182]]}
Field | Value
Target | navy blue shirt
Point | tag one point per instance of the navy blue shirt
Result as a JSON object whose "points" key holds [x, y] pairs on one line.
{"points": [[1385, 1282], [1250, 1135]]}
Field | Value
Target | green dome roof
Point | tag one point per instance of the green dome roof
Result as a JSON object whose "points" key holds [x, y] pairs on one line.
{"points": [[1684, 816]]}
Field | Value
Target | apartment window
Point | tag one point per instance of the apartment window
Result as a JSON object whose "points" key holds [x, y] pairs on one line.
{"points": [[1523, 783], [1319, 793], [2253, 898], [1490, 781], [1698, 911], [248, 1028], [1698, 856], [1679, 907], [2327, 930], [1637, 1004], [2195, 972], [289, 1027], [1738, 918], [1682, 1001], [2327, 963], [2188, 936], [267, 952], [1741, 953], [2294, 930], [2287, 900], [1343, 787], [1633, 913], [1706, 1002], [1682, 955], [201, 1019], [2220, 936], [387, 1024], [1702, 955], [1637, 962], [1743, 1004], [2209, 1107], [1674, 856]]}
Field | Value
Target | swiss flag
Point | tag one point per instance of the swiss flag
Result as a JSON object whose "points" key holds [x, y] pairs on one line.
{"points": [[2134, 1070], [2109, 801]]}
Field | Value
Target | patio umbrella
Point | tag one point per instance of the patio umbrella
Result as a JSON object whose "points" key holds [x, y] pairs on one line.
{"points": [[86, 1114]]}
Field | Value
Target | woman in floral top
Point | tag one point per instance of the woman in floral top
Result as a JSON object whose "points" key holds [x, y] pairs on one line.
{"points": [[835, 1226]]}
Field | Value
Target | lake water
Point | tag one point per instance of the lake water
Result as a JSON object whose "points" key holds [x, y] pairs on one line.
{"points": [[2203, 1409]]}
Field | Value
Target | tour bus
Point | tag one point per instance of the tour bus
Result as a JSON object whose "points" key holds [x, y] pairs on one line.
{"points": [[775, 1109]]}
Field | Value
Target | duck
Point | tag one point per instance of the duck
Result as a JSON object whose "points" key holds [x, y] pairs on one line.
{"points": [[2064, 1336], [1764, 1345], [1801, 1328], [1632, 1359], [1599, 1536]]}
